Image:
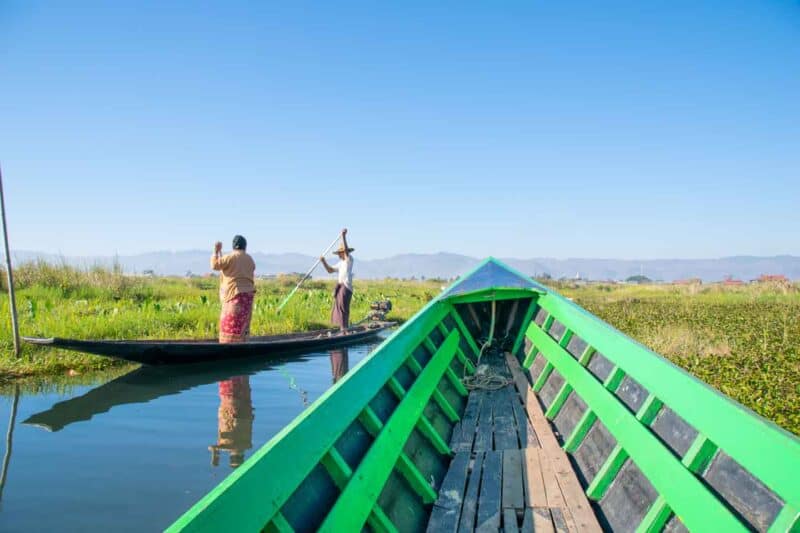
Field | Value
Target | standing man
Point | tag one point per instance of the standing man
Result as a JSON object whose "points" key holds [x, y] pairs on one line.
{"points": [[343, 293]]}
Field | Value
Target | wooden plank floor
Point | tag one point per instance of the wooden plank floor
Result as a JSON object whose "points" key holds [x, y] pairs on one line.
{"points": [[509, 473]]}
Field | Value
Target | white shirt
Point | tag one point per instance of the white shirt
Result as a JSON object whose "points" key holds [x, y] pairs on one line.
{"points": [[345, 268]]}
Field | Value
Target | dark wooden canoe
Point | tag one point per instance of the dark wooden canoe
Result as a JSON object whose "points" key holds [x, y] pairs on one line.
{"points": [[164, 352]]}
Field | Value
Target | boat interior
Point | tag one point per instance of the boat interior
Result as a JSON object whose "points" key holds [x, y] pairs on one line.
{"points": [[504, 406]]}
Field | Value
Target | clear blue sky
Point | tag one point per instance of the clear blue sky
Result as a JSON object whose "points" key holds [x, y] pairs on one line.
{"points": [[560, 129]]}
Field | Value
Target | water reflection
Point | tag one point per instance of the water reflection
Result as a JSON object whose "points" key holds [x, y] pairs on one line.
{"points": [[9, 441], [142, 385], [234, 421], [340, 363], [147, 435]]}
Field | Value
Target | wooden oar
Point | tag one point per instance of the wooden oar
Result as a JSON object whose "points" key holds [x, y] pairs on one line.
{"points": [[308, 274]]}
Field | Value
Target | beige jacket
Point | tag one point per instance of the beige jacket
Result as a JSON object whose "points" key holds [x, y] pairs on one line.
{"points": [[237, 271]]}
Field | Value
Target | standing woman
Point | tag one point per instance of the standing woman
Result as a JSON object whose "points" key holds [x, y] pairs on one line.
{"points": [[343, 293], [236, 290]]}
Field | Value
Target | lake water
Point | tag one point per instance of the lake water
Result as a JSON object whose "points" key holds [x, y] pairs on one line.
{"points": [[134, 453]]}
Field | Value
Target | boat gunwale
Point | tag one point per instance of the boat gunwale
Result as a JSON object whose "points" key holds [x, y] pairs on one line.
{"points": [[722, 419], [400, 344]]}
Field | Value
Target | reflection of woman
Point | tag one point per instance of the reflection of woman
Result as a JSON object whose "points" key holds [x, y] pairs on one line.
{"points": [[236, 290], [234, 420], [340, 363]]}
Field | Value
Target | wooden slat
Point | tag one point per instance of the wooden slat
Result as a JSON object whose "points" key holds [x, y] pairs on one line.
{"points": [[552, 489], [469, 422], [483, 435], [470, 507], [554, 461], [505, 433], [513, 495], [527, 521], [559, 521], [534, 484], [490, 494], [575, 498], [527, 436], [447, 509], [505, 427], [510, 521], [542, 521]]}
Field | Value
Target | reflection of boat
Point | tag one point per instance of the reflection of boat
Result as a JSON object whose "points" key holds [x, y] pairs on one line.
{"points": [[234, 421], [503, 406], [142, 385], [160, 352]]}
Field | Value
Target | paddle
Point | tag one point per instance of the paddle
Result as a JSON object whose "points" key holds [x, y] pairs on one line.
{"points": [[308, 274]]}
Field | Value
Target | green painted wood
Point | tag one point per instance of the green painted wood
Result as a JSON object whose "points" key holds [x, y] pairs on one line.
{"points": [[696, 505], [614, 379], [373, 425], [423, 424], [337, 467], [787, 520], [761, 447], [371, 421], [530, 358], [470, 368], [351, 510], [430, 433], [558, 401], [656, 517], [587, 354], [451, 376], [563, 393], [579, 433], [415, 479], [491, 293], [279, 524], [456, 382], [249, 497], [649, 409], [547, 322], [437, 396], [525, 321], [464, 330], [699, 454], [539, 383], [341, 473], [379, 522], [599, 485]]}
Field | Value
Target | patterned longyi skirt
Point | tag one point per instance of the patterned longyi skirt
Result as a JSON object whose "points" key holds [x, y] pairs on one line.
{"points": [[234, 321]]}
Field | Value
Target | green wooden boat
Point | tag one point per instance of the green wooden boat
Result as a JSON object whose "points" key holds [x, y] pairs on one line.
{"points": [[503, 406]]}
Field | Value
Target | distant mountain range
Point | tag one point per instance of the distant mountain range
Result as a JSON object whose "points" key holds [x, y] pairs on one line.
{"points": [[447, 265]]}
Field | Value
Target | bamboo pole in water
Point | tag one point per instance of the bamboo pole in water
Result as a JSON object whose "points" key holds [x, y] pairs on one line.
{"points": [[9, 440], [12, 302]]}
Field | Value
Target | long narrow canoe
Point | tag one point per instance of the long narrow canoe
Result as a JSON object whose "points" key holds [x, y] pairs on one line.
{"points": [[160, 352], [560, 423]]}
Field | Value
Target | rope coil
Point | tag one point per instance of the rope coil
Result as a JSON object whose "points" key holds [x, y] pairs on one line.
{"points": [[484, 377]]}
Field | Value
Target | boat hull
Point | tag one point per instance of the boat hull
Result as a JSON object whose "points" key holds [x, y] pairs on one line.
{"points": [[170, 352]]}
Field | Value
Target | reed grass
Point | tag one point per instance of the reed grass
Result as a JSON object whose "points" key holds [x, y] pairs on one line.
{"points": [[97, 303], [744, 341]]}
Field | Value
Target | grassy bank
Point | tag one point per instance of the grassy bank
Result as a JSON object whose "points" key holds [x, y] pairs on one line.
{"points": [[104, 304], [744, 341]]}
